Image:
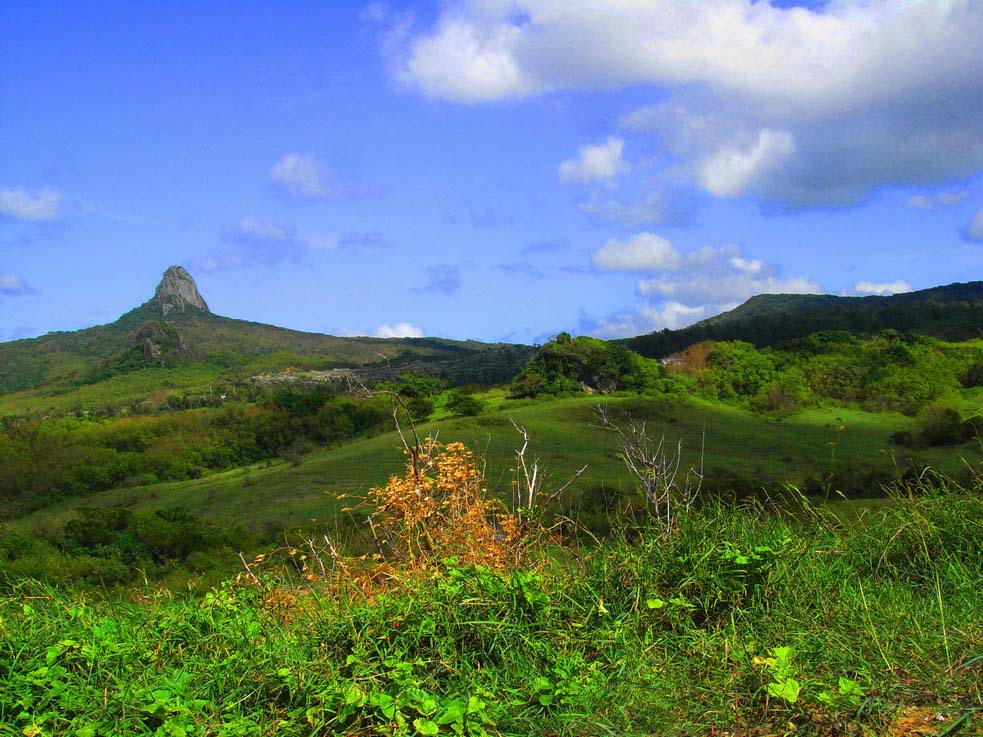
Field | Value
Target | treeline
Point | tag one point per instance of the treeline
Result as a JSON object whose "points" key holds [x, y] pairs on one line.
{"points": [[950, 313], [890, 371], [111, 547], [43, 461]]}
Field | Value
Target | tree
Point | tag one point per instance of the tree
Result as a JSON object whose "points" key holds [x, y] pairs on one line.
{"points": [[462, 404]]}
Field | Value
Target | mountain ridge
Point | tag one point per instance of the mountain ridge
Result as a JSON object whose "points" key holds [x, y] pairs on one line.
{"points": [[176, 327], [950, 312]]}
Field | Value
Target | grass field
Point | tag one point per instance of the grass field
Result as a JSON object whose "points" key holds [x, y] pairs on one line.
{"points": [[564, 435]]}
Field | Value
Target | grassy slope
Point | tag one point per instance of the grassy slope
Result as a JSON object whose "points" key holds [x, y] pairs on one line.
{"points": [[820, 628], [51, 373], [564, 436]]}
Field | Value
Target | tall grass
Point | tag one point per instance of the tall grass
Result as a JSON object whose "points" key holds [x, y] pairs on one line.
{"points": [[738, 620]]}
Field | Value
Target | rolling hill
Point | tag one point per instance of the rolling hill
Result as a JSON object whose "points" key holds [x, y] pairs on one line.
{"points": [[953, 312], [174, 335]]}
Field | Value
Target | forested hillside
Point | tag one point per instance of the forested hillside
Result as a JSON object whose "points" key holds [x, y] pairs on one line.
{"points": [[953, 312]]}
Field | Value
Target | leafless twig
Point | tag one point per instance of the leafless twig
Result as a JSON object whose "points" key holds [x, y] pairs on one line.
{"points": [[656, 469]]}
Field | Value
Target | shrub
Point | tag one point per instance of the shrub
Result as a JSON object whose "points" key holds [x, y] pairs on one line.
{"points": [[941, 425], [463, 404]]}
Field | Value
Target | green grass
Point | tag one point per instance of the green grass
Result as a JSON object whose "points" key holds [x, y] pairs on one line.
{"points": [[116, 391], [737, 622], [564, 436]]}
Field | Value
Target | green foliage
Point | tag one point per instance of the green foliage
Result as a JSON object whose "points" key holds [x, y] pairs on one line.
{"points": [[740, 621], [43, 461], [463, 404], [566, 365], [112, 547], [417, 386], [952, 313], [940, 425]]}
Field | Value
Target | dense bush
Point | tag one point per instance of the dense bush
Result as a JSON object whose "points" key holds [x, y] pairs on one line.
{"points": [[43, 461], [463, 404], [113, 547], [565, 365]]}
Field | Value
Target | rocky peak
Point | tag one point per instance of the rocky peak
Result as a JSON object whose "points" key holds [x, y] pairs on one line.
{"points": [[178, 291]]}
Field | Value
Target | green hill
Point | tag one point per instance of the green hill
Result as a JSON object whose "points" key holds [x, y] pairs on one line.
{"points": [[174, 341], [953, 312], [741, 451]]}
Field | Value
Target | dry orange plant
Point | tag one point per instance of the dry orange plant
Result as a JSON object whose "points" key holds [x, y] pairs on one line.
{"points": [[439, 508]]}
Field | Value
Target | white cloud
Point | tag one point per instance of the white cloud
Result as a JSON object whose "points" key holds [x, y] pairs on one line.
{"points": [[598, 163], [974, 231], [641, 252], [20, 204], [299, 175], [871, 93], [687, 287], [701, 288], [730, 171], [881, 289], [466, 62], [671, 315], [941, 199], [399, 330], [250, 227]]}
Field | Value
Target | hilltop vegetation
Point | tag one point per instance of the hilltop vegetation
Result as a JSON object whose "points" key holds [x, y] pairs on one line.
{"points": [[894, 371], [952, 313], [174, 335]]}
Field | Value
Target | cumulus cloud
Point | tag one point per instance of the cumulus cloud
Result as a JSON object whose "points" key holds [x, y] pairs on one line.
{"points": [[797, 106], [686, 287], [598, 163], [252, 242], [299, 175], [13, 285], [466, 61], [670, 315], [442, 279], [883, 289], [940, 199], [974, 231], [399, 330], [641, 252], [730, 171], [44, 205]]}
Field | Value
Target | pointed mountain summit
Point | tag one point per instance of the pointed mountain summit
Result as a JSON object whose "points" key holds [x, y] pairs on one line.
{"points": [[177, 291]]}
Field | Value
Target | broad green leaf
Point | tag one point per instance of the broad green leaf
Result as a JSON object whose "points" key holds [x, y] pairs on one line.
{"points": [[426, 727], [787, 690]]}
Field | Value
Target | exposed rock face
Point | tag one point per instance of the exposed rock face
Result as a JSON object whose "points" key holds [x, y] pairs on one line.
{"points": [[178, 291], [151, 351]]}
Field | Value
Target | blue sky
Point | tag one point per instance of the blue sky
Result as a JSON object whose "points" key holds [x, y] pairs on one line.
{"points": [[490, 169]]}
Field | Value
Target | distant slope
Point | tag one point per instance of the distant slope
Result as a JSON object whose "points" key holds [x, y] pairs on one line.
{"points": [[953, 312], [564, 436], [172, 330]]}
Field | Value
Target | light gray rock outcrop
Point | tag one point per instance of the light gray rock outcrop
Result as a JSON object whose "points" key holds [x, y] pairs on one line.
{"points": [[178, 291]]}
